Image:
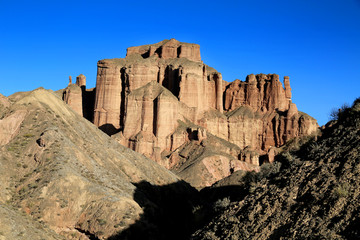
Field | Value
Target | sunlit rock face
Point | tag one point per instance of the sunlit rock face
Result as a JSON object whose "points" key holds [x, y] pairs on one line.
{"points": [[152, 99]]}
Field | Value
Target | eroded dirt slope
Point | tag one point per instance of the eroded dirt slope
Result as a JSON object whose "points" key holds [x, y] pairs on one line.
{"points": [[67, 175], [314, 193]]}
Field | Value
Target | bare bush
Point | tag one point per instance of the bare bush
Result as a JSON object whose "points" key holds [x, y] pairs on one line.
{"points": [[336, 112]]}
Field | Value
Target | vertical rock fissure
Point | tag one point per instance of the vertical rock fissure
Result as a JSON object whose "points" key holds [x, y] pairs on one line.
{"points": [[176, 84], [172, 80], [178, 51], [166, 80], [155, 114], [228, 129], [124, 88]]}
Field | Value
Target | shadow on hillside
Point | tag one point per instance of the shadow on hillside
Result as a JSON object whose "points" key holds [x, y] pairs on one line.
{"points": [[167, 212], [109, 129], [171, 211]]}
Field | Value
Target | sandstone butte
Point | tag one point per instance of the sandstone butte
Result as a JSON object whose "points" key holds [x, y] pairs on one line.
{"points": [[162, 101]]}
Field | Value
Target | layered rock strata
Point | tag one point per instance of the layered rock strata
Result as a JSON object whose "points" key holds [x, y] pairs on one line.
{"points": [[147, 97], [260, 92], [189, 80], [258, 130], [168, 49]]}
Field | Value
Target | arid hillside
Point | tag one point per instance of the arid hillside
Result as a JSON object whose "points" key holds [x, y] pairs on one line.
{"points": [[310, 192], [63, 178]]}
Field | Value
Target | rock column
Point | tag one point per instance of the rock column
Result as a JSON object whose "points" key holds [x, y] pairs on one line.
{"points": [[287, 87], [219, 91], [108, 98], [81, 80]]}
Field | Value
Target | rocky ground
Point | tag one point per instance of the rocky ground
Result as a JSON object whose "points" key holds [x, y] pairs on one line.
{"points": [[309, 193]]}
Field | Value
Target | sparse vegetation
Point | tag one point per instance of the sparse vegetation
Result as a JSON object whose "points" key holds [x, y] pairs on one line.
{"points": [[335, 113], [32, 185], [221, 204], [23, 190], [27, 175], [121, 224], [28, 135], [101, 221], [268, 169], [318, 182], [342, 191], [64, 203]]}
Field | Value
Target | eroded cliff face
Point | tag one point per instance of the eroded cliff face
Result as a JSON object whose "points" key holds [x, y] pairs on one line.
{"points": [[258, 130], [173, 65], [146, 99], [260, 92]]}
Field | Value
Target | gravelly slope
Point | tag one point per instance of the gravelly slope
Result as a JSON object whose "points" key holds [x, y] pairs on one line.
{"points": [[315, 195]]}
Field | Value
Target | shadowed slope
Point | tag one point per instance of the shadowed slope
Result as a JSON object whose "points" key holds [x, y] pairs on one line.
{"points": [[168, 212], [308, 199]]}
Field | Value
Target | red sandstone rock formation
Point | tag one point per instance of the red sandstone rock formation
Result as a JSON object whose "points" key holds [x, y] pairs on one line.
{"points": [[79, 98], [168, 49], [260, 92], [151, 120], [81, 80], [191, 81], [147, 97], [261, 131], [72, 95]]}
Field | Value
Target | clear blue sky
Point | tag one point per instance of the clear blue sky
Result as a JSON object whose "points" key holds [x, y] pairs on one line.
{"points": [[315, 42]]}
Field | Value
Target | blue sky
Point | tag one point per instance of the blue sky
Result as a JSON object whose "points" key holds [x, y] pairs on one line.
{"points": [[315, 42]]}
